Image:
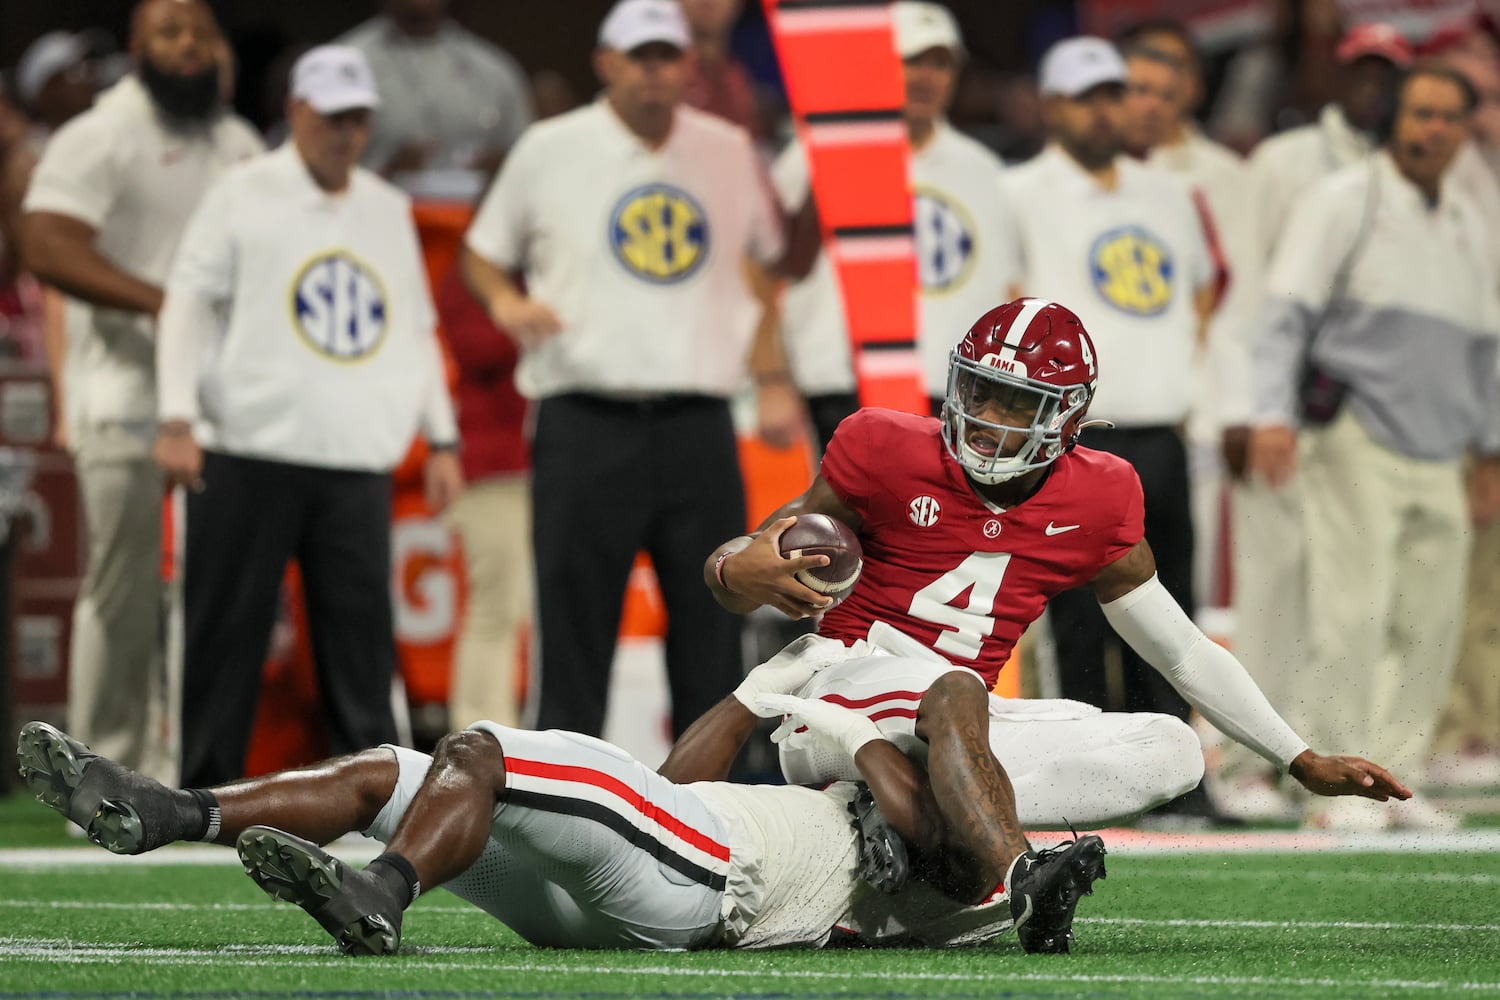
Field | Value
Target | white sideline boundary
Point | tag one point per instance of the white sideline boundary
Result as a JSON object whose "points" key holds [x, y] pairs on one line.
{"points": [[1122, 843]]}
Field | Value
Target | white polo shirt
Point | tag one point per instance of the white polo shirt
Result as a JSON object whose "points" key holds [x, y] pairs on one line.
{"points": [[1416, 335], [1219, 175], [967, 257], [118, 168], [1285, 165], [640, 252], [327, 357], [1128, 261]]}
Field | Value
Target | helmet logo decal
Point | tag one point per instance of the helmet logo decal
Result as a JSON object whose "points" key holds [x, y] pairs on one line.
{"points": [[1132, 270], [924, 511], [659, 233], [1009, 366]]}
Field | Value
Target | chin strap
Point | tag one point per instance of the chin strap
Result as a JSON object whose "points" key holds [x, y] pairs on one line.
{"points": [[1109, 424]]}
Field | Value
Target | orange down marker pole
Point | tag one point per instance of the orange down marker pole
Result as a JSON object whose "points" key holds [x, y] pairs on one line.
{"points": [[846, 89]]}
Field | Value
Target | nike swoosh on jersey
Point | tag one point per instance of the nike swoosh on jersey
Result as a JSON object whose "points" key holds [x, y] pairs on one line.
{"points": [[1053, 529]]}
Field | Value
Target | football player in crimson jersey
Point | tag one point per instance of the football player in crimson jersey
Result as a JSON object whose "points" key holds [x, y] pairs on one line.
{"points": [[969, 524]]}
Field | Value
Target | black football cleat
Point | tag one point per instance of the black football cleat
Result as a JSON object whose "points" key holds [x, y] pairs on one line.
{"points": [[1044, 890], [353, 906], [120, 810]]}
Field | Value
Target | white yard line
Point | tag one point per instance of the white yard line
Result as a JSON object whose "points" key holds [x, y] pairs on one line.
{"points": [[286, 957], [269, 905], [1122, 843]]}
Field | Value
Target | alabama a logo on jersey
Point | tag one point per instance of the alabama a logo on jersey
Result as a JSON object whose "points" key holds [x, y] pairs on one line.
{"points": [[1132, 270], [946, 240], [339, 306], [659, 233]]}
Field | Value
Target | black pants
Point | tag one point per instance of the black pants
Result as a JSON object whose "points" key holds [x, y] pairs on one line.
{"points": [[827, 411], [610, 478], [251, 518], [1079, 628]]}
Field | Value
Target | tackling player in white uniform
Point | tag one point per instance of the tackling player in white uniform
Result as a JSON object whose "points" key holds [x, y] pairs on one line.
{"points": [[573, 843]]}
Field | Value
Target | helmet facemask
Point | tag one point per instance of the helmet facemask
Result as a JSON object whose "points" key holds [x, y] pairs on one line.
{"points": [[1002, 408]]}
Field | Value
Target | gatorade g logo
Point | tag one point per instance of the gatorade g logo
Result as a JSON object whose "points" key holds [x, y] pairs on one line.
{"points": [[659, 233], [946, 241], [339, 306], [1132, 270]]}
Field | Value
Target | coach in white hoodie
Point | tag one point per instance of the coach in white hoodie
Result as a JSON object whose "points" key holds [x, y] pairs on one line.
{"points": [[286, 417]]}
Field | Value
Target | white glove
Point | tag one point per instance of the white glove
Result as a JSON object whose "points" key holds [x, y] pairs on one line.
{"points": [[789, 670], [833, 724]]}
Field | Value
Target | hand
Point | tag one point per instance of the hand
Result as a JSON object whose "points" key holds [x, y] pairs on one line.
{"points": [[789, 670], [780, 420], [178, 455], [1340, 775], [1484, 491], [842, 727], [442, 480], [1273, 453], [760, 573], [1234, 445], [529, 322]]}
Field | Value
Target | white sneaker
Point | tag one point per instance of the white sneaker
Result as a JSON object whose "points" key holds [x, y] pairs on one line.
{"points": [[1348, 814], [1464, 770], [1417, 813], [1253, 799]]}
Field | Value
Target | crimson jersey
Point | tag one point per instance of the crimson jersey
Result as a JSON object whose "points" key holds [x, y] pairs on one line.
{"points": [[960, 575]]}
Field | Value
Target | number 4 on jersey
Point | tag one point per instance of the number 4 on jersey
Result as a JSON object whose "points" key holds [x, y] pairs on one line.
{"points": [[981, 575]]}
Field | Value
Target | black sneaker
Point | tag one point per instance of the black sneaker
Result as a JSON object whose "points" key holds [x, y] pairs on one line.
{"points": [[1044, 889], [353, 906], [120, 810]]}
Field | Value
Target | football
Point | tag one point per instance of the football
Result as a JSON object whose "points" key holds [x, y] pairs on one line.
{"points": [[821, 535]]}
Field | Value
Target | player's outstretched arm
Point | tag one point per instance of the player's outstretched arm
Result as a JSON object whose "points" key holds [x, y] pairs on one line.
{"points": [[749, 571], [1206, 674], [1214, 682], [709, 746]]}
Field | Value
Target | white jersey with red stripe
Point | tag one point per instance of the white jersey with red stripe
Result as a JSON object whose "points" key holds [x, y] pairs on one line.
{"points": [[794, 861], [589, 848]]}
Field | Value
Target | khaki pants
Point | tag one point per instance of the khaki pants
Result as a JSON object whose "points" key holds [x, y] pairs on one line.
{"points": [[493, 520], [1472, 718], [116, 676], [1270, 620], [1388, 548]]}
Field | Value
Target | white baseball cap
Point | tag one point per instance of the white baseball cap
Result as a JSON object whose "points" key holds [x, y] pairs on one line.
{"points": [[923, 26], [334, 78], [633, 23], [46, 57], [1075, 66]]}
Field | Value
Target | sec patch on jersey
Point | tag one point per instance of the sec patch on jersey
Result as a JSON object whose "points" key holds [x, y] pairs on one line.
{"points": [[821, 535]]}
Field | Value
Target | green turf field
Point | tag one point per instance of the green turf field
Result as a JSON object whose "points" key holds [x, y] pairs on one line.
{"points": [[1297, 924]]}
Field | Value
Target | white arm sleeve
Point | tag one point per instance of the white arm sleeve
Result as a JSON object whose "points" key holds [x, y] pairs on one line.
{"points": [[1202, 671], [185, 318], [202, 277]]}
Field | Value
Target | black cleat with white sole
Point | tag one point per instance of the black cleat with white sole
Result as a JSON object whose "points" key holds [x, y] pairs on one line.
{"points": [[1044, 889], [353, 906], [120, 810]]}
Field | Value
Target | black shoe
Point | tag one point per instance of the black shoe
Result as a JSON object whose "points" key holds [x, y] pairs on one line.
{"points": [[120, 810], [1044, 887], [353, 906], [882, 853]]}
